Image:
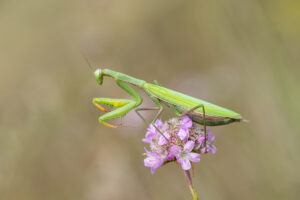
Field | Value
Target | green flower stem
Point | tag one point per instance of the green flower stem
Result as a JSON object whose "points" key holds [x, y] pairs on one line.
{"points": [[189, 181]]}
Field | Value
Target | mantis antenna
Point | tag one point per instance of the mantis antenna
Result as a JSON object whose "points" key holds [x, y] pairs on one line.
{"points": [[87, 61]]}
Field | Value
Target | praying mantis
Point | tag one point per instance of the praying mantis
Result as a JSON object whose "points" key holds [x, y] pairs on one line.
{"points": [[200, 111]]}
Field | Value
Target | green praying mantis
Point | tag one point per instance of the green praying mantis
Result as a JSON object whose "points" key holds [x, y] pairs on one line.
{"points": [[200, 111]]}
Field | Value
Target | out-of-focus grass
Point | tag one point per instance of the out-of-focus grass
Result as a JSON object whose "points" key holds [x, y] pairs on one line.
{"points": [[238, 54]]}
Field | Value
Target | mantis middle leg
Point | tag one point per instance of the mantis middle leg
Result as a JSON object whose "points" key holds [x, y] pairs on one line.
{"points": [[159, 107], [179, 112], [137, 110], [171, 106]]}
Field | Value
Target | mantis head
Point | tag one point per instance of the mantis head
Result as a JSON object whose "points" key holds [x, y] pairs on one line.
{"points": [[99, 76]]}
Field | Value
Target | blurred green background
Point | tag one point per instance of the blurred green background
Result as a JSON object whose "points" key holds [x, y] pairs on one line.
{"points": [[243, 55]]}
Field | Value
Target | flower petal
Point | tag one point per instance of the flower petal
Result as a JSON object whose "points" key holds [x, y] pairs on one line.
{"points": [[186, 122], [162, 140], [145, 140], [201, 139], [175, 150], [158, 123], [151, 132], [185, 164], [170, 156], [151, 129], [146, 150], [153, 161], [150, 161], [213, 149], [183, 133], [210, 136], [152, 170], [179, 158], [188, 147], [194, 157]]}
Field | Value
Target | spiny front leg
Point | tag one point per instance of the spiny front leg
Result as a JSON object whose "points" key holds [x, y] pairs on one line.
{"points": [[119, 112], [116, 103], [110, 102], [123, 106]]}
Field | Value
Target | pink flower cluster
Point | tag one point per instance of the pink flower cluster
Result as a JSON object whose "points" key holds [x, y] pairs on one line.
{"points": [[181, 140]]}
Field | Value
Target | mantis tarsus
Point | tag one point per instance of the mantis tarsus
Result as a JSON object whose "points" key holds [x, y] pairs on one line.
{"points": [[201, 112]]}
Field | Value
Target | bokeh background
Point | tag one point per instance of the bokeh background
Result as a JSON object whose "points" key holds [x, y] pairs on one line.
{"points": [[240, 54]]}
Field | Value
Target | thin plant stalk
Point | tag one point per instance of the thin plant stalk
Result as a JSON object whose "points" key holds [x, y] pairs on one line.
{"points": [[189, 181]]}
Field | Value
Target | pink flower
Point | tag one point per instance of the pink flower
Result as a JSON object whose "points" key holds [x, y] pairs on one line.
{"points": [[183, 133], [175, 149], [209, 146], [149, 135], [186, 122], [162, 140], [179, 138], [152, 132], [185, 156], [201, 139], [153, 160]]}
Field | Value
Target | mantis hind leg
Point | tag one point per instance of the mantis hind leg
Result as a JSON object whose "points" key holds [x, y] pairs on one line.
{"points": [[204, 118]]}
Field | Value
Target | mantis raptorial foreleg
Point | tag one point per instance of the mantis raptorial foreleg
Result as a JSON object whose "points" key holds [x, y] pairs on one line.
{"points": [[123, 105], [110, 102]]}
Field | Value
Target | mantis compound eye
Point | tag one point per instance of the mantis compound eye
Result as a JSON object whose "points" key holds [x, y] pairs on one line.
{"points": [[98, 76]]}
